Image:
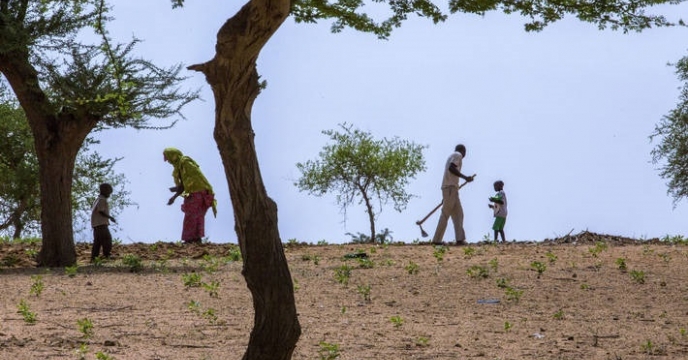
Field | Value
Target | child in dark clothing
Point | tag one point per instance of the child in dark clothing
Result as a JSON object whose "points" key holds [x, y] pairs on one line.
{"points": [[100, 219], [499, 208]]}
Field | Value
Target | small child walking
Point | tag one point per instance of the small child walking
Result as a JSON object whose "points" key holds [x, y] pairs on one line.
{"points": [[100, 220], [498, 205]]}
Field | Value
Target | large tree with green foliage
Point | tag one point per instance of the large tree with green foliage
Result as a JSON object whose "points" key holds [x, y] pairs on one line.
{"points": [[672, 132], [356, 165], [69, 88], [20, 210], [234, 80], [19, 190]]}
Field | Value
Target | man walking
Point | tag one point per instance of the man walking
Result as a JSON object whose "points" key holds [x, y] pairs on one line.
{"points": [[451, 204]]}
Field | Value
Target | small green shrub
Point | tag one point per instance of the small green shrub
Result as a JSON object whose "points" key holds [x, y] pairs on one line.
{"points": [[422, 341], [621, 263], [103, 356], [513, 294], [212, 288], [37, 285], [674, 239], [26, 313], [71, 271], [365, 263], [364, 290], [85, 326], [97, 261], [328, 351], [599, 247], [438, 252], [559, 315], [638, 276], [192, 279], [234, 254], [552, 257], [494, 264], [210, 264], [478, 272], [539, 267], [502, 283], [32, 253], [342, 274], [82, 351], [133, 262], [210, 315], [194, 306], [411, 268], [9, 260], [309, 257], [397, 321]]}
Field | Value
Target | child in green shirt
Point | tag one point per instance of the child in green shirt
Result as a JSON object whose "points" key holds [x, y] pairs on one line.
{"points": [[498, 205]]}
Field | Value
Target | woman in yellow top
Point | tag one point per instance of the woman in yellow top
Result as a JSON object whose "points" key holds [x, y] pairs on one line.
{"points": [[197, 193]]}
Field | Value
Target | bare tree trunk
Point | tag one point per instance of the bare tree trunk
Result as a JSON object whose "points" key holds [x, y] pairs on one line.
{"points": [[58, 141], [55, 174], [233, 77], [363, 188], [371, 217]]}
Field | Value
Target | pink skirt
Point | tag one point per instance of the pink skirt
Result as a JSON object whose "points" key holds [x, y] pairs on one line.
{"points": [[195, 207]]}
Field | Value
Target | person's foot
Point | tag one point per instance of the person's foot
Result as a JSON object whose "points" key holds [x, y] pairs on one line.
{"points": [[460, 243]]}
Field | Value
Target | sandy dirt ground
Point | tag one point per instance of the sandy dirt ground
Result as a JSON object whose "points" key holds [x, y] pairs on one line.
{"points": [[583, 296]]}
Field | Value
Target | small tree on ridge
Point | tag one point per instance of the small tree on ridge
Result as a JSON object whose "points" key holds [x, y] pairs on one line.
{"points": [[357, 165], [672, 132]]}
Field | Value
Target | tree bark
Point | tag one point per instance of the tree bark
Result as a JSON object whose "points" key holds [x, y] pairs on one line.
{"points": [[57, 138], [371, 215], [56, 167], [233, 77]]}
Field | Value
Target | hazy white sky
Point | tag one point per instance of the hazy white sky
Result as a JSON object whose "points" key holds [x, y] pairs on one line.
{"points": [[562, 117]]}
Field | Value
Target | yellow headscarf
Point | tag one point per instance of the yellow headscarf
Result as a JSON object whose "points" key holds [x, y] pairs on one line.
{"points": [[188, 174]]}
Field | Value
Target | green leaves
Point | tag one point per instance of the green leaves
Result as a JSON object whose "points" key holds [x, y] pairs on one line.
{"points": [[357, 166], [626, 15], [672, 132]]}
